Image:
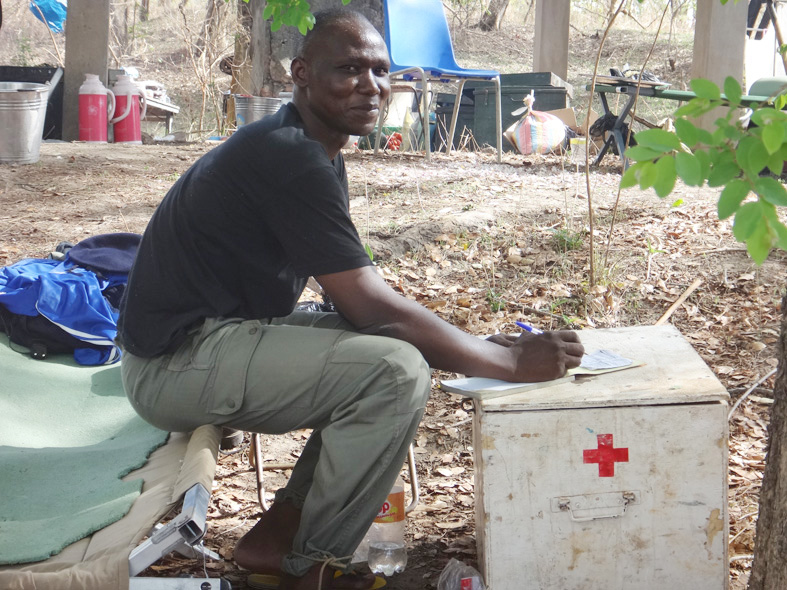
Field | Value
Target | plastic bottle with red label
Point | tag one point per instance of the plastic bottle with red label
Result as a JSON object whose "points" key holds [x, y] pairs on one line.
{"points": [[383, 547], [460, 576]]}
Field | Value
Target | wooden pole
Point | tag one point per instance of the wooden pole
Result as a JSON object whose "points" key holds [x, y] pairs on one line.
{"points": [[681, 299], [778, 30]]}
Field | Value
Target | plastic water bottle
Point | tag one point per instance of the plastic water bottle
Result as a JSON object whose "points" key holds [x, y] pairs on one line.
{"points": [[383, 546], [387, 557], [459, 576]]}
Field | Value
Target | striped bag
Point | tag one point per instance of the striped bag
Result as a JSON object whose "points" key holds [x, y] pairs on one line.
{"points": [[536, 132]]}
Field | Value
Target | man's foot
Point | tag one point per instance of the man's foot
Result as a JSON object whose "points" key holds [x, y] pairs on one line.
{"points": [[311, 581], [262, 549]]}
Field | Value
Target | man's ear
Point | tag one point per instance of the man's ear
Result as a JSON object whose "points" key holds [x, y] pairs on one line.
{"points": [[299, 72]]}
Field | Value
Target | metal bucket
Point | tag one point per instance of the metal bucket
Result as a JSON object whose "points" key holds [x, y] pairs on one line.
{"points": [[253, 108], [22, 114]]}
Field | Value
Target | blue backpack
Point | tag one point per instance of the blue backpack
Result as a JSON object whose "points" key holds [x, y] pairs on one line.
{"points": [[70, 305]]}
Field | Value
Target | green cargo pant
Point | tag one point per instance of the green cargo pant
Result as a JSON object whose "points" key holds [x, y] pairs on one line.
{"points": [[362, 395]]}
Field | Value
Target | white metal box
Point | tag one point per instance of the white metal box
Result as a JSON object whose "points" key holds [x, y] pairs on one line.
{"points": [[617, 481]]}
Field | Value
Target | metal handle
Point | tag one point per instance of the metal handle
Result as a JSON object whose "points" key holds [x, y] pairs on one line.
{"points": [[595, 506]]}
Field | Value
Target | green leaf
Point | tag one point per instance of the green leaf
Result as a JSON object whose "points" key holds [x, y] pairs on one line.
{"points": [[751, 155], [768, 211], [732, 89], [705, 136], [781, 233], [705, 89], [639, 153], [631, 175], [658, 139], [730, 132], [704, 159], [687, 132], [676, 203], [731, 197], [758, 158], [746, 220], [267, 11], [772, 137], [695, 107], [763, 116], [665, 176], [771, 190], [724, 168], [776, 162], [289, 18], [647, 175], [689, 168], [718, 137], [759, 243], [369, 252]]}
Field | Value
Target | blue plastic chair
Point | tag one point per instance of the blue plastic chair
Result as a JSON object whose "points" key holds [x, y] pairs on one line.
{"points": [[420, 48]]}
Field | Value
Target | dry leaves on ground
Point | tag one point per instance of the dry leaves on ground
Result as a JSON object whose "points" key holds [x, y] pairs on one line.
{"points": [[483, 245]]}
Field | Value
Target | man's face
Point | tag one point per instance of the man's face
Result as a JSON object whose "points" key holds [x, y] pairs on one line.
{"points": [[348, 78]]}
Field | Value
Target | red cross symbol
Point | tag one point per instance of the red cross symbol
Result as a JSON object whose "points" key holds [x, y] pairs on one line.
{"points": [[606, 455]]}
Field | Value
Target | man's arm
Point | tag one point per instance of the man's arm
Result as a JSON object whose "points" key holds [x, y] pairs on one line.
{"points": [[370, 305]]}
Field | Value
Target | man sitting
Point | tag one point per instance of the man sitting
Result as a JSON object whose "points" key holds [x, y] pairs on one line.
{"points": [[210, 336]]}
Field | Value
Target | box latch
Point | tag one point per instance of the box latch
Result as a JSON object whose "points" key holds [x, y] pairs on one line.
{"points": [[595, 506]]}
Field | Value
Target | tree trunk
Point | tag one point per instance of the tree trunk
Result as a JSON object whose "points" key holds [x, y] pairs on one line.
{"points": [[769, 571], [241, 60], [144, 10], [493, 15], [209, 25], [272, 51], [260, 50], [529, 10]]}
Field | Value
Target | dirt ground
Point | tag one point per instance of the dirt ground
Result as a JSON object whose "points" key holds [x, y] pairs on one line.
{"points": [[483, 245]]}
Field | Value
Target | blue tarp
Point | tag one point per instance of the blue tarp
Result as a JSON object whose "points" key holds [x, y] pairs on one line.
{"points": [[50, 12]]}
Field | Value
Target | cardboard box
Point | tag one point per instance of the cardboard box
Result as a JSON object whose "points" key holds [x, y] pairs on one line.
{"points": [[569, 117]]}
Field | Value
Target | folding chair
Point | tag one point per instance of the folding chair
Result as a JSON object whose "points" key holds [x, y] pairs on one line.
{"points": [[420, 48]]}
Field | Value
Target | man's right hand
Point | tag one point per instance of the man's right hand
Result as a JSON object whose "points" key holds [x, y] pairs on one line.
{"points": [[546, 356]]}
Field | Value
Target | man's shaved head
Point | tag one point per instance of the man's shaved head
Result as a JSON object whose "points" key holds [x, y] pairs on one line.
{"points": [[325, 22], [340, 78]]}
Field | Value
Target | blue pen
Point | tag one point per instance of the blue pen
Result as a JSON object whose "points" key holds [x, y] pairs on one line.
{"points": [[528, 328]]}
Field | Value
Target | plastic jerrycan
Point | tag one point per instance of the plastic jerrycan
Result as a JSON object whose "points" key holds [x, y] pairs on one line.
{"points": [[96, 107], [130, 106]]}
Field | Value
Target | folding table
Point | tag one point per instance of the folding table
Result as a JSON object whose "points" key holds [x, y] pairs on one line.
{"points": [[647, 90]]}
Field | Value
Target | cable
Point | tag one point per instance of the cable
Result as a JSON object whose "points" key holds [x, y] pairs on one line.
{"points": [[204, 559]]}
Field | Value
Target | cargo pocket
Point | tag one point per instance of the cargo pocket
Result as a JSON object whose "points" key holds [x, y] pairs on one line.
{"points": [[234, 349], [218, 357]]}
